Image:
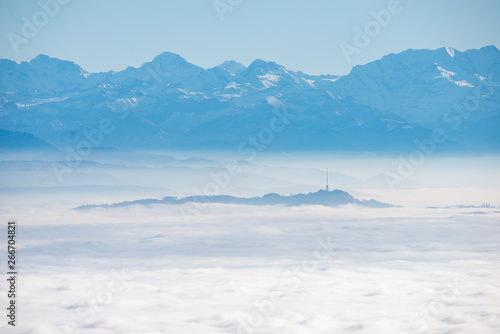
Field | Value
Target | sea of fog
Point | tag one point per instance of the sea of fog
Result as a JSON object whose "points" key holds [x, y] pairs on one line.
{"points": [[428, 265]]}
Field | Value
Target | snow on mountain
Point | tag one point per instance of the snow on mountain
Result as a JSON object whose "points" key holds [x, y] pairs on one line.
{"points": [[423, 85], [170, 103], [451, 51], [42, 76]]}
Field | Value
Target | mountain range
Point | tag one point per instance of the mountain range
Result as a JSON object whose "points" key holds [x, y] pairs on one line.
{"points": [[171, 104]]}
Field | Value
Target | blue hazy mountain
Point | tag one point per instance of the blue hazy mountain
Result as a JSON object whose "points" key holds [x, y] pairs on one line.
{"points": [[16, 141], [171, 104], [321, 197]]}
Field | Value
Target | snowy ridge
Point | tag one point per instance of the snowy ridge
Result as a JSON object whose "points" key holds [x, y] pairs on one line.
{"points": [[383, 105]]}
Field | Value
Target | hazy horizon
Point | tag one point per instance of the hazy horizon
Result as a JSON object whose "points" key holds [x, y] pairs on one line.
{"points": [[340, 176], [241, 31]]}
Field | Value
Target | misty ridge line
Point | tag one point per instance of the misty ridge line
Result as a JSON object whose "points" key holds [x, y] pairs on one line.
{"points": [[234, 64], [321, 197]]}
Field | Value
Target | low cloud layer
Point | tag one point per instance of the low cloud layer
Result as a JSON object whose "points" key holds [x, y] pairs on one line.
{"points": [[239, 269]]}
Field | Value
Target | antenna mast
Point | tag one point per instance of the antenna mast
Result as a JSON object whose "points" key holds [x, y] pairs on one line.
{"points": [[327, 179]]}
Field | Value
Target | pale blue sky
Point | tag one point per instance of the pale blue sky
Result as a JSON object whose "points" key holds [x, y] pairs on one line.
{"points": [[101, 35]]}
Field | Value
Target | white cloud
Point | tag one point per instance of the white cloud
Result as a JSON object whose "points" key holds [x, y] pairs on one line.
{"points": [[215, 274]]}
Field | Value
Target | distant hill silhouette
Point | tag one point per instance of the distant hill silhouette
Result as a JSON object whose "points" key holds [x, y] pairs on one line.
{"points": [[321, 197], [16, 141]]}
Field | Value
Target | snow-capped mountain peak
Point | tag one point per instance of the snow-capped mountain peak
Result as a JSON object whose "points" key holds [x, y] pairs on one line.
{"points": [[451, 51], [386, 103]]}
